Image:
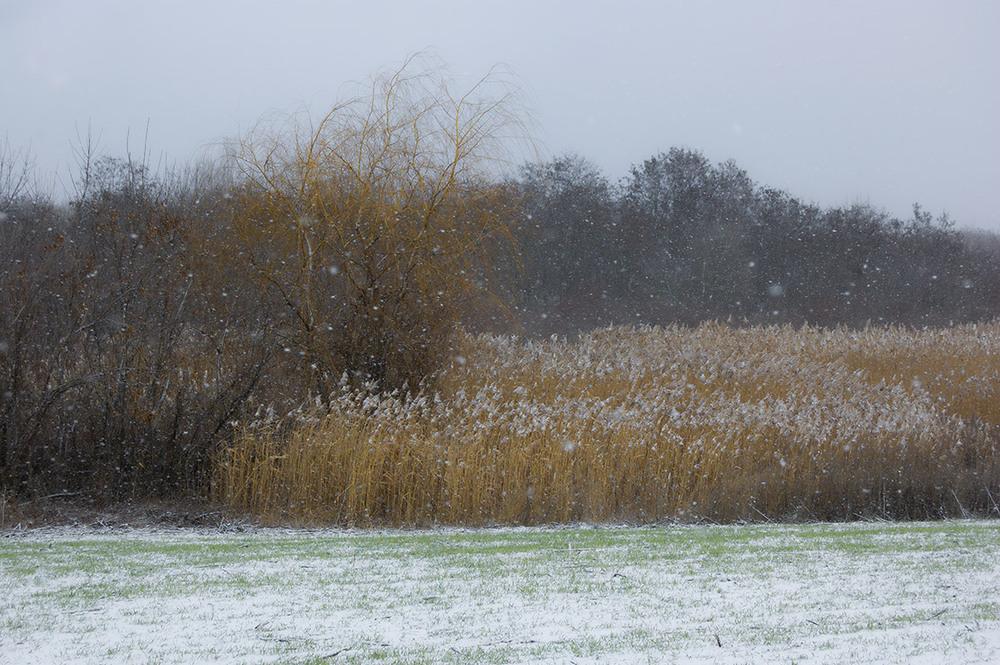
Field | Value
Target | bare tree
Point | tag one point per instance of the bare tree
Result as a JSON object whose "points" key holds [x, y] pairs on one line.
{"points": [[373, 226], [16, 173]]}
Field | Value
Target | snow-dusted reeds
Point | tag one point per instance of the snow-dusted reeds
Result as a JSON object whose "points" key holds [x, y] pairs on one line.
{"points": [[650, 424]]}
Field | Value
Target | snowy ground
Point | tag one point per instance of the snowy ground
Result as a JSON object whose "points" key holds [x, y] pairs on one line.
{"points": [[859, 593]]}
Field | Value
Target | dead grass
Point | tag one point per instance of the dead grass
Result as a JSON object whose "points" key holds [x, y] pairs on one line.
{"points": [[649, 424]]}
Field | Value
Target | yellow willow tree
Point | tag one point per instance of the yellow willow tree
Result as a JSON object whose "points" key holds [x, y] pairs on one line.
{"points": [[373, 229]]}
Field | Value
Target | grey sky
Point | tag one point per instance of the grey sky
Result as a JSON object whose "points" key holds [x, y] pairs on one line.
{"points": [[836, 102]]}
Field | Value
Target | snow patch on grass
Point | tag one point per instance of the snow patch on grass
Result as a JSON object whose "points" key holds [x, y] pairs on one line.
{"points": [[820, 593]]}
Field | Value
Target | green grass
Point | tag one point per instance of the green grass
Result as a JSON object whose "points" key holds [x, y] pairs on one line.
{"points": [[813, 592]]}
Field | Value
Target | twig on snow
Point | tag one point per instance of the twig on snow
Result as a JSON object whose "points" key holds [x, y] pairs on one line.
{"points": [[965, 513], [996, 508], [334, 654], [57, 495]]}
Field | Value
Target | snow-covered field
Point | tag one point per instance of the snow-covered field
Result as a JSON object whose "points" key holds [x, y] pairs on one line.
{"points": [[858, 593]]}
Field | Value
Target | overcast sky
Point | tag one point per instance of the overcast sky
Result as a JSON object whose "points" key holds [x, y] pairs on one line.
{"points": [[836, 102]]}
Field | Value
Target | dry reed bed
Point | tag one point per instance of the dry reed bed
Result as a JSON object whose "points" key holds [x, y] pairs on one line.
{"points": [[650, 424]]}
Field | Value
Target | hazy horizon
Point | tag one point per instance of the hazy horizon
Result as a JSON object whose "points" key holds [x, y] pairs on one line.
{"points": [[891, 103]]}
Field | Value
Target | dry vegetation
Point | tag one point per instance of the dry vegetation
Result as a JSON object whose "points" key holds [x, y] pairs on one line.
{"points": [[143, 317], [335, 257], [649, 424], [374, 227]]}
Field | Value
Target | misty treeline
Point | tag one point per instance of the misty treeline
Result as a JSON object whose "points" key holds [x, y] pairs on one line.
{"points": [[681, 239], [147, 317]]}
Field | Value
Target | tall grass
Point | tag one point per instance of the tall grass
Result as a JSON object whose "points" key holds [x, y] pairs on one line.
{"points": [[649, 424]]}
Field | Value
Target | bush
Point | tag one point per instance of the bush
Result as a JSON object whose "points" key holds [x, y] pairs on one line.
{"points": [[121, 367]]}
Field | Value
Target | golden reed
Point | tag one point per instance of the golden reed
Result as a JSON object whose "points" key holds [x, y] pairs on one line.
{"points": [[648, 424]]}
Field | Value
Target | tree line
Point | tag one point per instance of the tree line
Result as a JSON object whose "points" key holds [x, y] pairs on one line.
{"points": [[681, 239], [154, 314]]}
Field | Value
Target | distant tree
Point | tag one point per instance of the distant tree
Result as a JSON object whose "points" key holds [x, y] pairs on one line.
{"points": [[689, 222], [572, 242], [780, 240], [16, 175], [932, 266], [663, 203], [981, 278]]}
